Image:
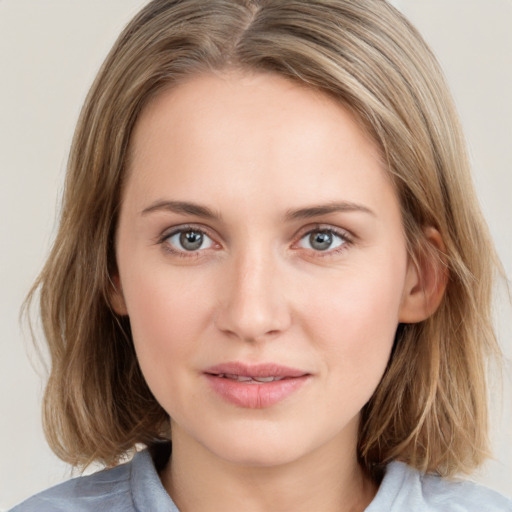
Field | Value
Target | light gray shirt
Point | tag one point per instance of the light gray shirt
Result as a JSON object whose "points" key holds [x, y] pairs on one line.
{"points": [[136, 487]]}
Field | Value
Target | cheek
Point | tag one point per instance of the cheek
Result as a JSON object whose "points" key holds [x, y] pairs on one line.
{"points": [[355, 323], [167, 313]]}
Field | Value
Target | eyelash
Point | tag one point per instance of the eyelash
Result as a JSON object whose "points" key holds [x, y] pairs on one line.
{"points": [[347, 240], [164, 241]]}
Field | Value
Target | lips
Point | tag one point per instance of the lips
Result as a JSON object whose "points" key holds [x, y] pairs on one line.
{"points": [[246, 378], [255, 386]]}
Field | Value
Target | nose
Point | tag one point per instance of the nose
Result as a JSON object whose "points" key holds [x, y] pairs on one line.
{"points": [[253, 299]]}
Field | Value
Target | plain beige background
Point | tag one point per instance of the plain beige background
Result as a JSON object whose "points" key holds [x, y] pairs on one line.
{"points": [[49, 53]]}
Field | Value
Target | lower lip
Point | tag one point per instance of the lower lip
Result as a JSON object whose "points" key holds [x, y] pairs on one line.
{"points": [[255, 396]]}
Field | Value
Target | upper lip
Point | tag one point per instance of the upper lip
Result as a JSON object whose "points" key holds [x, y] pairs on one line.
{"points": [[255, 370]]}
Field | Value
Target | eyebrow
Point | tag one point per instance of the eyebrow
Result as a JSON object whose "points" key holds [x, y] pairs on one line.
{"points": [[183, 207], [188, 208], [325, 209]]}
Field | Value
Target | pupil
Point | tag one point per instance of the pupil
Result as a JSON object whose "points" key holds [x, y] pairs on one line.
{"points": [[191, 240], [321, 241]]}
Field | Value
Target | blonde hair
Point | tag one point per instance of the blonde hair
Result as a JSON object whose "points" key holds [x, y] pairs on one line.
{"points": [[430, 408]]}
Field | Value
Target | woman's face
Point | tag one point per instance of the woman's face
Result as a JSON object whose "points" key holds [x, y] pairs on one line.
{"points": [[262, 264]]}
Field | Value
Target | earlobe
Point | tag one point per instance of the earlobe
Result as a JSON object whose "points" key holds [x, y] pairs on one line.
{"points": [[426, 280], [116, 296]]}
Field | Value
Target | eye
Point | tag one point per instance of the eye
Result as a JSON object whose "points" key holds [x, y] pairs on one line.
{"points": [[322, 240], [189, 240]]}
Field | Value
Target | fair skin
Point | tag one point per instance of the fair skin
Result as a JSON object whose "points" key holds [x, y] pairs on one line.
{"points": [[259, 227]]}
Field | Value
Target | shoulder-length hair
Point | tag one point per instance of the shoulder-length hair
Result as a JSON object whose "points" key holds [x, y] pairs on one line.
{"points": [[430, 408]]}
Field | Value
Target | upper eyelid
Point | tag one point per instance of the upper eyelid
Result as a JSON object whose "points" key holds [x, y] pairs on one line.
{"points": [[167, 233], [304, 230], [342, 232]]}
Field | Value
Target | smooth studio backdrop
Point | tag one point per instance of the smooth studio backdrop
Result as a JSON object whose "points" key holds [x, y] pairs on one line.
{"points": [[50, 51]]}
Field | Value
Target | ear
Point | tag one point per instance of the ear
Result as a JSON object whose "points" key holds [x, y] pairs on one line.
{"points": [[426, 280], [116, 296]]}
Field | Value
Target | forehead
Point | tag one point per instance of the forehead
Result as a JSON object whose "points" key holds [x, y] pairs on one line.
{"points": [[250, 134], [236, 96]]}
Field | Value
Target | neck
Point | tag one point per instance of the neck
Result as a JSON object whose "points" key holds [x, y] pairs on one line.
{"points": [[198, 480]]}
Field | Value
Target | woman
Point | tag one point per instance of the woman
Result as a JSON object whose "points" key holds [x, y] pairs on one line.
{"points": [[271, 253]]}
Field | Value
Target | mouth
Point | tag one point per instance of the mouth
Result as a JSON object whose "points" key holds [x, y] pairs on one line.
{"points": [[247, 378], [255, 386], [255, 371]]}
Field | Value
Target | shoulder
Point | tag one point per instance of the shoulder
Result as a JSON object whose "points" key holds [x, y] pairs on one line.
{"points": [[105, 490], [131, 487], [404, 488]]}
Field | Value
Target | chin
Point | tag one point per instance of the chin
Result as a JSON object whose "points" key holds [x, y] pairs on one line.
{"points": [[259, 456], [259, 446]]}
